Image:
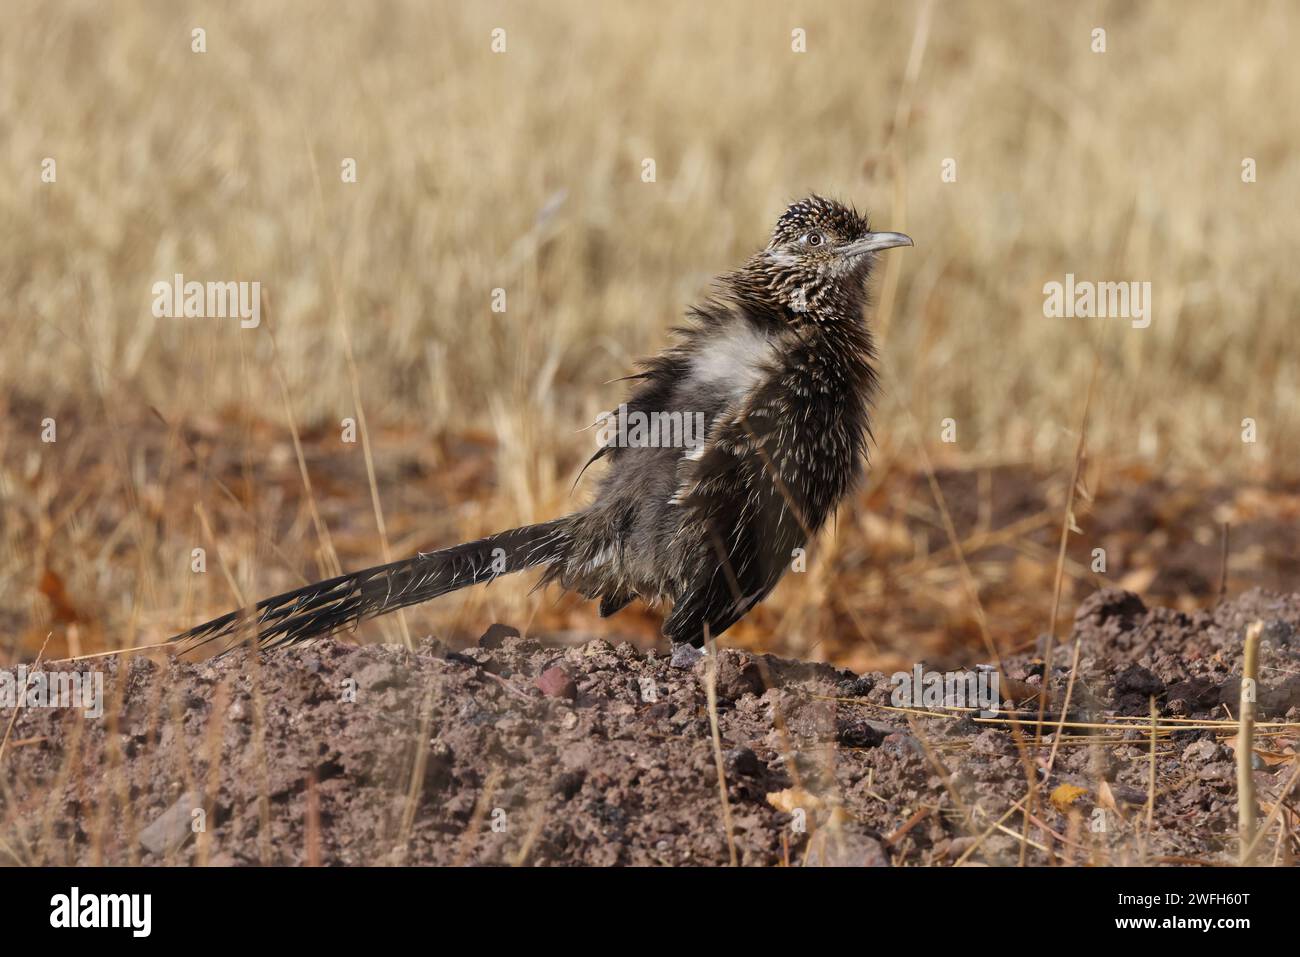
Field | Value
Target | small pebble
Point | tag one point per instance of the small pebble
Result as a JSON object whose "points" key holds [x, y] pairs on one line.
{"points": [[555, 682], [685, 656]]}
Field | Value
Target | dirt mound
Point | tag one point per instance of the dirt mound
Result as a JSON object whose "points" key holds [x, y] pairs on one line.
{"points": [[514, 751]]}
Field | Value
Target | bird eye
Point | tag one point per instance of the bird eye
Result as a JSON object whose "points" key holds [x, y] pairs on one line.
{"points": [[814, 239]]}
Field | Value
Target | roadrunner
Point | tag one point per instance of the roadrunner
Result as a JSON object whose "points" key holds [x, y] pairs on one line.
{"points": [[778, 365]]}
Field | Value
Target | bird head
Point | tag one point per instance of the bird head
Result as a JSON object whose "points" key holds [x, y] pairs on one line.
{"points": [[820, 255]]}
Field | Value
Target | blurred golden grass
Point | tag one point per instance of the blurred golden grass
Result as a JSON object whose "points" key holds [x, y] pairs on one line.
{"points": [[522, 171]]}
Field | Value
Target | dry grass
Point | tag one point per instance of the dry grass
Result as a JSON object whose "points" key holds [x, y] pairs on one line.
{"points": [[522, 171]]}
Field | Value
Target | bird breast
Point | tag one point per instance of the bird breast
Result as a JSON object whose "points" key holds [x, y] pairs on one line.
{"points": [[733, 360]]}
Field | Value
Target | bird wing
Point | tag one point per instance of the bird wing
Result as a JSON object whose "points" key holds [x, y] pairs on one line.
{"points": [[740, 505], [655, 384]]}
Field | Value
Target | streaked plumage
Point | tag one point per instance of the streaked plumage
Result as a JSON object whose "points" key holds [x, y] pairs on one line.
{"points": [[779, 363]]}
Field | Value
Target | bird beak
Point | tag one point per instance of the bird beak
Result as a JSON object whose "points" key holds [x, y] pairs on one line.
{"points": [[874, 242]]}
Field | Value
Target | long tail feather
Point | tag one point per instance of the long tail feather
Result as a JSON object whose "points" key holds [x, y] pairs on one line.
{"points": [[335, 603]]}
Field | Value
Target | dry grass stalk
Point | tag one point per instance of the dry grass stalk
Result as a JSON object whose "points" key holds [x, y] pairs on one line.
{"points": [[1247, 811], [711, 693]]}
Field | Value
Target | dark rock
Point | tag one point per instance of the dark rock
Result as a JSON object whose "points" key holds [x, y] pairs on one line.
{"points": [[854, 731], [1111, 605], [1134, 688], [742, 761], [496, 635], [660, 711], [569, 783], [1138, 680], [859, 687], [1128, 795], [1197, 694]]}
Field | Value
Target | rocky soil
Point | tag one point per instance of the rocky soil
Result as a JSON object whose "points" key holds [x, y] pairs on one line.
{"points": [[519, 752]]}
